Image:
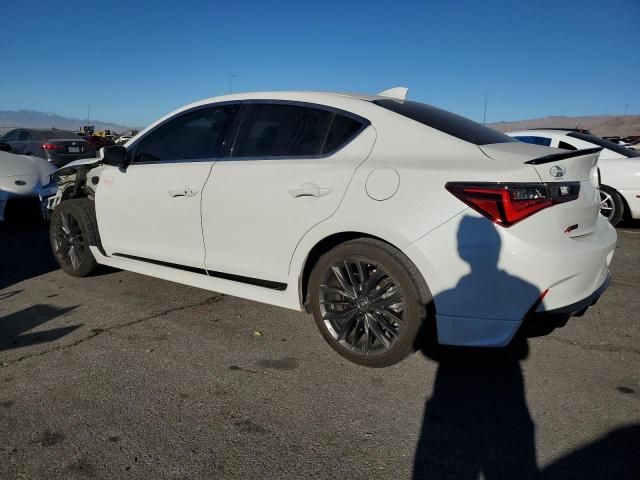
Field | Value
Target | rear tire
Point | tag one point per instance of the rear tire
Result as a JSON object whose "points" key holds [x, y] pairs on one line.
{"points": [[369, 302], [73, 229], [611, 205]]}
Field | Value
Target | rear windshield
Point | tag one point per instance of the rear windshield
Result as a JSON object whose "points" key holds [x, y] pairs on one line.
{"points": [[446, 122], [61, 134], [601, 142]]}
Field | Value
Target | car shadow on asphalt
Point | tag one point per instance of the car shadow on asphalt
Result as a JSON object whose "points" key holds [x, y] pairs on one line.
{"points": [[13, 326], [24, 252]]}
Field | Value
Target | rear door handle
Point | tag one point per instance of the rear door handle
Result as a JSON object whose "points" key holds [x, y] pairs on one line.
{"points": [[183, 192], [309, 190]]}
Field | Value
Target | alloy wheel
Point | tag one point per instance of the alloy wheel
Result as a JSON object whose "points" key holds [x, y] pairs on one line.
{"points": [[362, 306], [607, 205], [69, 240]]}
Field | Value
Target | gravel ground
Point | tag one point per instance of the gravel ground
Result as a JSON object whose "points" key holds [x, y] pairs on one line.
{"points": [[125, 376]]}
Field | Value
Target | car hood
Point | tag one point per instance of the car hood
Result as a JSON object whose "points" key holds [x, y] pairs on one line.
{"points": [[29, 172], [71, 167]]}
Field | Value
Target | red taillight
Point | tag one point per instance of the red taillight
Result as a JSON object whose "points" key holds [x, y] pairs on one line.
{"points": [[506, 204], [52, 146]]}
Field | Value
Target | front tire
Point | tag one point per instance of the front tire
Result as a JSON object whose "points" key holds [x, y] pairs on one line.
{"points": [[369, 302], [611, 205], [72, 230]]}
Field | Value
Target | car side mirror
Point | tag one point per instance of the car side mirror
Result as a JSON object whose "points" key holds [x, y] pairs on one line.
{"points": [[5, 147], [115, 155]]}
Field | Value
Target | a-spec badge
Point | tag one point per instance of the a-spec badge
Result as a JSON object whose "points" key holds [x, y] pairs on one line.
{"points": [[557, 171]]}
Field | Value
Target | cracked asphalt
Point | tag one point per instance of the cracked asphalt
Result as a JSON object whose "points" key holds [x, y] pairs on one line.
{"points": [[124, 376]]}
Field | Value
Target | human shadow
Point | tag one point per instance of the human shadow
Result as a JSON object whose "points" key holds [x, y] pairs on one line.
{"points": [[477, 421], [13, 326]]}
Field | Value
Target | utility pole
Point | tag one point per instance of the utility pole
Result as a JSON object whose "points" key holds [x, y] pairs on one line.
{"points": [[626, 107], [88, 113], [484, 116], [231, 75]]}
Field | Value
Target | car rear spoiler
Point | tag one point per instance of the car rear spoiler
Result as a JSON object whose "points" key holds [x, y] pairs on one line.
{"points": [[555, 157]]}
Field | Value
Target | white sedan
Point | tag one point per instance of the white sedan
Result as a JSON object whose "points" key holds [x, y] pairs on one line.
{"points": [[385, 218], [619, 168], [23, 176]]}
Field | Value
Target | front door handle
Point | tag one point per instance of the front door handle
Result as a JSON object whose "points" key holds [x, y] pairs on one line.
{"points": [[183, 192], [309, 190]]}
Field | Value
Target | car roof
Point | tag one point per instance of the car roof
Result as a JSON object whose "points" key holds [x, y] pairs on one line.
{"points": [[295, 95], [49, 130]]}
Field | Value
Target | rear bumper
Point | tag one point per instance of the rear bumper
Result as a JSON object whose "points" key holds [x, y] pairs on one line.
{"points": [[480, 302], [541, 323], [577, 308]]}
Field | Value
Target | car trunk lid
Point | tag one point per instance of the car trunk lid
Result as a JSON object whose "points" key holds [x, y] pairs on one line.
{"points": [[559, 169], [64, 146]]}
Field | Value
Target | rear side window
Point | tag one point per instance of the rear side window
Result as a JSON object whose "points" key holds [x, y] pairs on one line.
{"points": [[342, 130], [23, 136], [566, 146], [198, 134], [446, 122], [544, 141], [280, 130]]}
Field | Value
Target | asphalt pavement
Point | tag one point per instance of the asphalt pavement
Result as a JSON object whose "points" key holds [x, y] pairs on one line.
{"points": [[125, 376]]}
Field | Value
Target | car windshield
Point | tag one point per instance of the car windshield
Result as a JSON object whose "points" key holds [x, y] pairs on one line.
{"points": [[601, 142], [446, 122]]}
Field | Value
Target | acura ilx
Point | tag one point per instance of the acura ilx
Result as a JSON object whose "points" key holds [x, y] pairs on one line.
{"points": [[378, 215]]}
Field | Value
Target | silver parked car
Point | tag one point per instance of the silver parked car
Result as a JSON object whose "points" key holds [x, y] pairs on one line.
{"points": [[57, 146]]}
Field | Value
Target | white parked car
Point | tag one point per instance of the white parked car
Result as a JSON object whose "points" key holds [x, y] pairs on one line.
{"points": [[619, 168], [23, 176], [382, 217]]}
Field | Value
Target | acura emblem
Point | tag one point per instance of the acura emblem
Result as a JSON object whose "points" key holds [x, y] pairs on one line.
{"points": [[557, 171]]}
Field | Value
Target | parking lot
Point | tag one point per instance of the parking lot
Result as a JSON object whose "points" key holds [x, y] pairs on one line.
{"points": [[124, 376]]}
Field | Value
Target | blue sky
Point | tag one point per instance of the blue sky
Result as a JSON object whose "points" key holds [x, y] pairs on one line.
{"points": [[133, 62]]}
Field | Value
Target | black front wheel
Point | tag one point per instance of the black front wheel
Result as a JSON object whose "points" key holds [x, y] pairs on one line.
{"points": [[72, 230]]}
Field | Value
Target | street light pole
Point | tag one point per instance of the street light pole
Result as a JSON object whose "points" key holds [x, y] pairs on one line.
{"points": [[484, 116]]}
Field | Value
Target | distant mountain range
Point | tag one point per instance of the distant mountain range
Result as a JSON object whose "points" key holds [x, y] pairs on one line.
{"points": [[599, 124], [602, 125], [33, 119]]}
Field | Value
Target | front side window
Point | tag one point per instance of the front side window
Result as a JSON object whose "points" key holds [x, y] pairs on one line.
{"points": [[11, 136], [280, 130], [535, 140], [198, 134]]}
